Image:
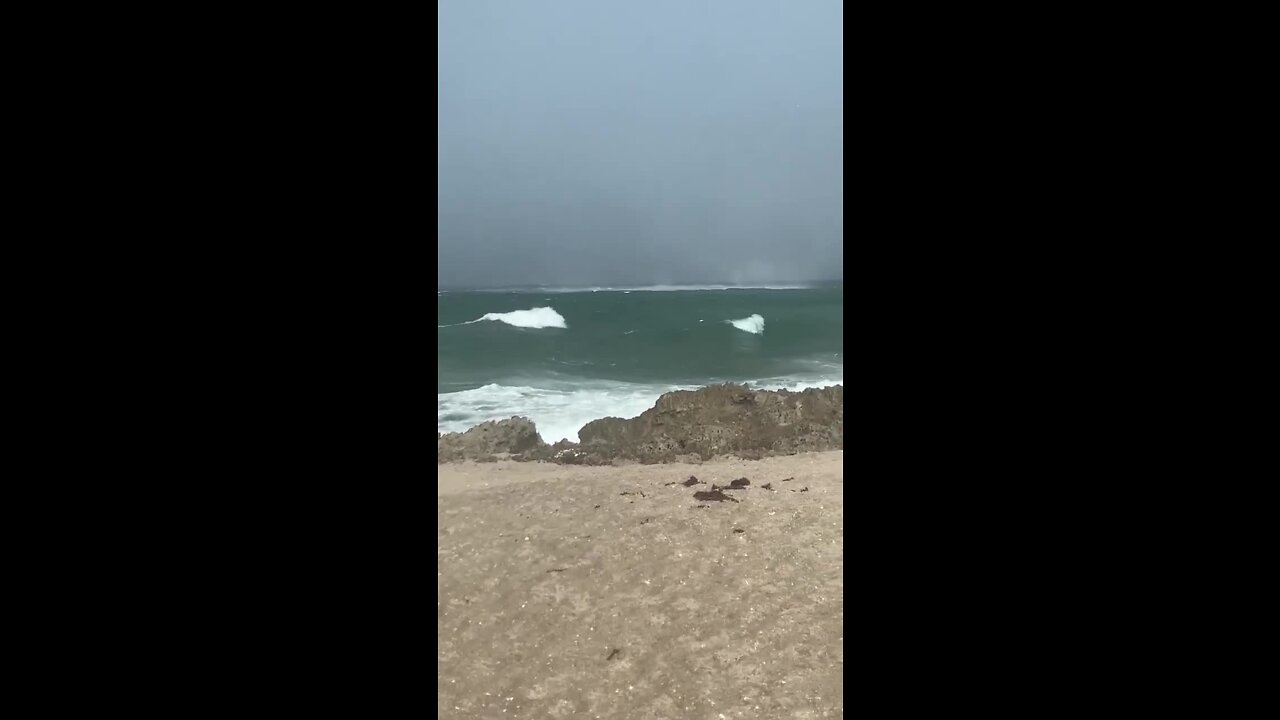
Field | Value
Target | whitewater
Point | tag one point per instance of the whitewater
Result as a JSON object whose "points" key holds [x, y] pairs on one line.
{"points": [[753, 324], [560, 412]]}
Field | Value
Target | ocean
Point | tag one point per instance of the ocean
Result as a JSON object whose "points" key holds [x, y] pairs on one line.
{"points": [[564, 357]]}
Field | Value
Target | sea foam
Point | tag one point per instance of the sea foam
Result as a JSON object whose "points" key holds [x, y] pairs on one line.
{"points": [[753, 324], [560, 411]]}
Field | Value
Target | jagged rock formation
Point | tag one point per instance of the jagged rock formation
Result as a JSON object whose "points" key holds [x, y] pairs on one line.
{"points": [[715, 420], [482, 441], [723, 420]]}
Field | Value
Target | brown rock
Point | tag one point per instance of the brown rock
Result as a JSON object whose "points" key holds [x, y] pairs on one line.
{"points": [[723, 420], [502, 436]]}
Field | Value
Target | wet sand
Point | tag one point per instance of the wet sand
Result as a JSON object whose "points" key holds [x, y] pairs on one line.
{"points": [[607, 592]]}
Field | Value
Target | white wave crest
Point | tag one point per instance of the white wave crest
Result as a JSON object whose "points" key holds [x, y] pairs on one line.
{"points": [[539, 317], [753, 324]]}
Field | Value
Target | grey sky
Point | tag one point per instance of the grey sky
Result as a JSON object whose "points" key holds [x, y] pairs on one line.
{"points": [[598, 142]]}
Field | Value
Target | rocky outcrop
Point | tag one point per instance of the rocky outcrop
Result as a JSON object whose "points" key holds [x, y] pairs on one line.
{"points": [[516, 435], [681, 426], [723, 420]]}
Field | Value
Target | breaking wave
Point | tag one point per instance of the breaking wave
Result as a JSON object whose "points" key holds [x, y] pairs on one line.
{"points": [[753, 324], [539, 317]]}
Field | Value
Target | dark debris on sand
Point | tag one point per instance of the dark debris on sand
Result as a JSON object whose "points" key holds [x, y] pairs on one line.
{"points": [[716, 495]]}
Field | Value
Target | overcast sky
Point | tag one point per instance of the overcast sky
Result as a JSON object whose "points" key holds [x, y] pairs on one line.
{"points": [[609, 142]]}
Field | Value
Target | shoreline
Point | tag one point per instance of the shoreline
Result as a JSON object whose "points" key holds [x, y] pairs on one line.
{"points": [[683, 425], [561, 407]]}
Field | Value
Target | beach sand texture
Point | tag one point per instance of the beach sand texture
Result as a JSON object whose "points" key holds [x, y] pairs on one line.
{"points": [[606, 592]]}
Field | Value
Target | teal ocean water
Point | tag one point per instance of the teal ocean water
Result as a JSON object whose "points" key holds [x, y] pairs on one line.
{"points": [[563, 357]]}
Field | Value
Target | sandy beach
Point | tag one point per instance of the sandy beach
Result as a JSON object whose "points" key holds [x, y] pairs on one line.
{"points": [[611, 592]]}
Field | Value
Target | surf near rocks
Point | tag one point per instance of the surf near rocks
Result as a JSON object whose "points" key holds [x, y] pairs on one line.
{"points": [[683, 425]]}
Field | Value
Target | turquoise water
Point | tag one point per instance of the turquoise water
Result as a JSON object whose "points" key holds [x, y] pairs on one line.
{"points": [[619, 350]]}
